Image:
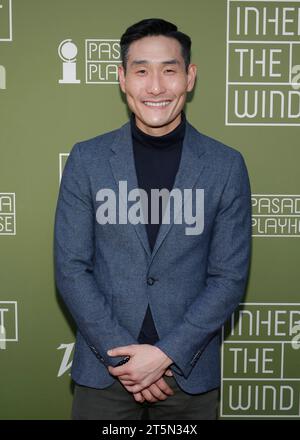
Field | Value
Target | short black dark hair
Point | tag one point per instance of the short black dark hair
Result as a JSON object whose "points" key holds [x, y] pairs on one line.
{"points": [[150, 27]]}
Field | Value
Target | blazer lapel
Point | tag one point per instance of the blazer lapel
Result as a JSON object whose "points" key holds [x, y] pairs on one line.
{"points": [[123, 168], [190, 167]]}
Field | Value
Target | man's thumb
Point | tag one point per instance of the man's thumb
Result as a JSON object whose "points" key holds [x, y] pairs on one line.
{"points": [[169, 372]]}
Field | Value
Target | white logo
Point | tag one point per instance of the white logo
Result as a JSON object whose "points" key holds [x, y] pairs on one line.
{"points": [[67, 52], [7, 214], [2, 78], [8, 323], [262, 80], [5, 20], [102, 57], [276, 215], [66, 362], [260, 358]]}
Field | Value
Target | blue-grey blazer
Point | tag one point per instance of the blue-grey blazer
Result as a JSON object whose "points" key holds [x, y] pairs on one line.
{"points": [[101, 270]]}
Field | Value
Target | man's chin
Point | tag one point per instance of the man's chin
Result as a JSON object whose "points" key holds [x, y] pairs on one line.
{"points": [[156, 123]]}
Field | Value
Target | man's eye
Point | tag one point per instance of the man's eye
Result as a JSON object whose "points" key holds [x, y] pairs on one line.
{"points": [[170, 70], [141, 71]]}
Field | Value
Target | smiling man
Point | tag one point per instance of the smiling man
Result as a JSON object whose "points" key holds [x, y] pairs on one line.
{"points": [[149, 299], [156, 79]]}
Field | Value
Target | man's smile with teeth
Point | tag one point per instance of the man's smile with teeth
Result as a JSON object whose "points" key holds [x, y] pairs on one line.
{"points": [[157, 104]]}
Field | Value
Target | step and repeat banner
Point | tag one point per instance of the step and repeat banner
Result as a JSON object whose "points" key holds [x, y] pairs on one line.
{"points": [[59, 85]]}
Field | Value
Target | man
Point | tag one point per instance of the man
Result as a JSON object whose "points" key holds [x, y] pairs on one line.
{"points": [[148, 291]]}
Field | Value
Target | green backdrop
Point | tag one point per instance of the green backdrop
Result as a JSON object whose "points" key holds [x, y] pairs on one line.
{"points": [[247, 95]]}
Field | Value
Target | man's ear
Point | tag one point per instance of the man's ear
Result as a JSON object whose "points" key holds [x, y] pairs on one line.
{"points": [[121, 73], [192, 73]]}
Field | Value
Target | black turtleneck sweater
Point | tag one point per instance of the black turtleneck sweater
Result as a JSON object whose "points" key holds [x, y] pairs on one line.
{"points": [[157, 160]]}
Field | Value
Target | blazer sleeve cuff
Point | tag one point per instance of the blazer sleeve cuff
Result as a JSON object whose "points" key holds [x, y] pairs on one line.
{"points": [[184, 345], [179, 366]]}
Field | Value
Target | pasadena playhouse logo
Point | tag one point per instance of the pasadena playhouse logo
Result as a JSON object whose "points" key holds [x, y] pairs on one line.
{"points": [[5, 33], [8, 323], [102, 57], [276, 215], [260, 361], [7, 214], [263, 68]]}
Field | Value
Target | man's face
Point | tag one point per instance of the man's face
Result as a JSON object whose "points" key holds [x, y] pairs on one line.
{"points": [[156, 83]]}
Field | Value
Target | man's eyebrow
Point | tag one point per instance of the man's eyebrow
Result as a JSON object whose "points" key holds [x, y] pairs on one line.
{"points": [[139, 62]]}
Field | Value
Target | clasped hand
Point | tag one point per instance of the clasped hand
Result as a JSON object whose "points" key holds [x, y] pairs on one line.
{"points": [[142, 374]]}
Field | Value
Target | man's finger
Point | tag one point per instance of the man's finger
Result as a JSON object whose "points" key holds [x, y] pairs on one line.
{"points": [[162, 384], [148, 395], [126, 382], [135, 388], [126, 350], [157, 392], [139, 397], [121, 372]]}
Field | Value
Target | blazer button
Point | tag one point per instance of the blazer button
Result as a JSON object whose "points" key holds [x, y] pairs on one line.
{"points": [[150, 281]]}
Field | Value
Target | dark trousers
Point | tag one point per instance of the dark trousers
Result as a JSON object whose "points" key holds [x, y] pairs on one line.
{"points": [[116, 403]]}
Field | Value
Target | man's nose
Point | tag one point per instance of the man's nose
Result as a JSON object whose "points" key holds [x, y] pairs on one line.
{"points": [[155, 85]]}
